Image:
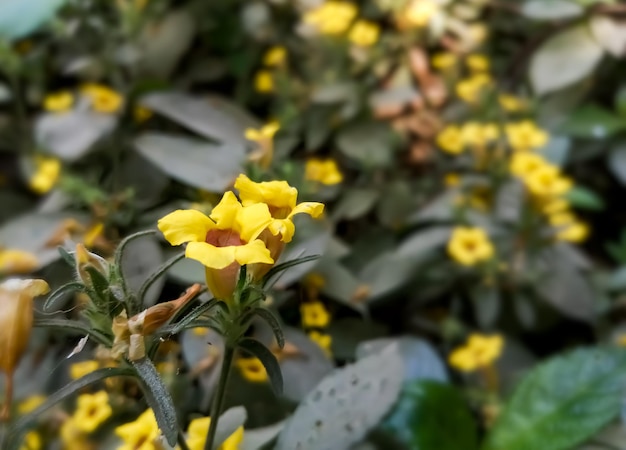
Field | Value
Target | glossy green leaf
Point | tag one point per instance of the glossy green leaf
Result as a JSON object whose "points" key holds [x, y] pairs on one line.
{"points": [[592, 121], [583, 198], [368, 143], [20, 18], [563, 401]]}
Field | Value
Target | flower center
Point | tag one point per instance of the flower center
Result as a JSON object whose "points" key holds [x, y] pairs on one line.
{"points": [[223, 238], [279, 212]]}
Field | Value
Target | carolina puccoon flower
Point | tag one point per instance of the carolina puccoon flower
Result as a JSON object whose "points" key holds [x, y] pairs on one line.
{"points": [[323, 171], [478, 63], [470, 246], [450, 140], [92, 411], [419, 12], [264, 82], [103, 99], [139, 434], [252, 369], [197, 434], [525, 135], [511, 103], [331, 17], [364, 33], [469, 89], [275, 56], [523, 164], [553, 206], [223, 241], [323, 340], [30, 403], [478, 134], [264, 138], [479, 352], [14, 261], [74, 439], [32, 441], [314, 315], [16, 321], [80, 369], [58, 102], [568, 227], [46, 175], [443, 61], [547, 181]]}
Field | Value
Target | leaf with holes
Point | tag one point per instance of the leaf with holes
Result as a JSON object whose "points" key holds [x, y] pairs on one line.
{"points": [[346, 404]]}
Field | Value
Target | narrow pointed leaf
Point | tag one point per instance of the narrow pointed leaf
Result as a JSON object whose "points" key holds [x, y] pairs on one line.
{"points": [[272, 321], [286, 265], [269, 362], [60, 292]]}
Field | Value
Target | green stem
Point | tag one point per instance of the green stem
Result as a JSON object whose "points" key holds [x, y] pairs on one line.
{"points": [[218, 400]]}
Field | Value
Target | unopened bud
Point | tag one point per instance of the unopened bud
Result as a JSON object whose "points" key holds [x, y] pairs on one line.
{"points": [[84, 258]]}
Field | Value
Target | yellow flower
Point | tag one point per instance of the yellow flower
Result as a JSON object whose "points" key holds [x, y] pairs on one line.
{"points": [[331, 17], [554, 206], [141, 114], [478, 33], [32, 441], [568, 227], [92, 411], [323, 171], [252, 369], [450, 140], [197, 434], [314, 315], [470, 89], [58, 102], [451, 179], [526, 135], [275, 56], [470, 246], [364, 33], [443, 61], [264, 81], [16, 321], [511, 103], [479, 352], [140, 434], [478, 63], [419, 12], [14, 261], [547, 181], [264, 138], [103, 99], [282, 202], [80, 369], [323, 340], [223, 241], [479, 135], [30, 404], [523, 164], [47, 171], [93, 233]]}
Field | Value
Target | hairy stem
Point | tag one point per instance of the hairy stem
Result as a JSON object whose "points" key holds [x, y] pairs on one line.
{"points": [[218, 399]]}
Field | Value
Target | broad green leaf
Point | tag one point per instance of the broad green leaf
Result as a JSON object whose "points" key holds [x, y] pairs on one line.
{"points": [[551, 9], [487, 305], [349, 333], [257, 438], [583, 198], [19, 18], [610, 33], [369, 143], [386, 273], [355, 202], [430, 415], [564, 59], [557, 150], [269, 362], [346, 404], [229, 421], [194, 162], [592, 121], [562, 402], [423, 243]]}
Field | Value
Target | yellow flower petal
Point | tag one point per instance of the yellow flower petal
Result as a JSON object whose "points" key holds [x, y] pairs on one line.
{"points": [[313, 209], [211, 256], [277, 194], [253, 252], [226, 211], [185, 225], [252, 220]]}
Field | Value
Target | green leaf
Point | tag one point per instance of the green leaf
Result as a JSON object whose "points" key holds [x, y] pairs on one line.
{"points": [[562, 402], [228, 423], [60, 293], [286, 265], [67, 257], [73, 326], [425, 414], [564, 59], [370, 143], [487, 305], [272, 321], [269, 362], [20, 18], [610, 33], [583, 198], [551, 9], [19, 428], [591, 121], [189, 318], [158, 398], [355, 202]]}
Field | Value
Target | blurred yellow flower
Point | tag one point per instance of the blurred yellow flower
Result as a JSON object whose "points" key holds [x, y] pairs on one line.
{"points": [[32, 441], [58, 102], [46, 175], [554, 206], [80, 369], [92, 411], [197, 434], [547, 181], [526, 135], [364, 33], [264, 81], [103, 99], [476, 134], [450, 140], [523, 164], [275, 56], [314, 315], [470, 89], [93, 233], [30, 403], [511, 103], [479, 352], [141, 113], [252, 369], [323, 171], [140, 434], [470, 246], [419, 12], [443, 61], [323, 340], [264, 138], [451, 179], [72, 438], [331, 17], [569, 228], [478, 63], [14, 261]]}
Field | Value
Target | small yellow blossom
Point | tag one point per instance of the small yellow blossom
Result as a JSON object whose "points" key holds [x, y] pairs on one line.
{"points": [[523, 164], [470, 246], [314, 315], [80, 369], [419, 12], [478, 34], [547, 181], [451, 179], [103, 99], [479, 135], [569, 228], [32, 441], [470, 89], [478, 63], [58, 102], [14, 261], [323, 340], [74, 439], [450, 140], [443, 61], [200, 331], [323, 171], [526, 135], [141, 114], [140, 434], [46, 175], [554, 206], [275, 56], [479, 352], [264, 81], [197, 434], [511, 103], [364, 33], [92, 411], [331, 17], [264, 138], [252, 369], [30, 403]]}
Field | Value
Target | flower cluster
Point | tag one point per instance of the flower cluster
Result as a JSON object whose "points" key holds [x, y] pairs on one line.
{"points": [[480, 351]]}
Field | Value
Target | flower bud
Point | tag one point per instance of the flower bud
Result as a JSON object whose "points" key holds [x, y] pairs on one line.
{"points": [[16, 321], [84, 259]]}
